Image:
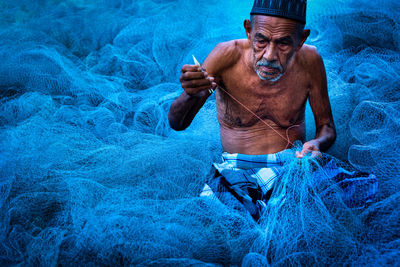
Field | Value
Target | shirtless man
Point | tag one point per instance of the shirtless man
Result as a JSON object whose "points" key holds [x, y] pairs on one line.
{"points": [[273, 73], [263, 83]]}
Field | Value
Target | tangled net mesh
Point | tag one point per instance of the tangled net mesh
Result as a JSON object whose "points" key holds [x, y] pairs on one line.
{"points": [[91, 172]]}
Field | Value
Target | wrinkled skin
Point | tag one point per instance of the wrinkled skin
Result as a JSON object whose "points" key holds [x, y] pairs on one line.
{"points": [[273, 74]]}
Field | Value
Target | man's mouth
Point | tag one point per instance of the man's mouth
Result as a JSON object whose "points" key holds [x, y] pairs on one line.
{"points": [[269, 70], [270, 74]]}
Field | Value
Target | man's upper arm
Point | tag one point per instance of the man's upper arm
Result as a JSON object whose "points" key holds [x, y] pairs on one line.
{"points": [[224, 55], [319, 98], [184, 108]]}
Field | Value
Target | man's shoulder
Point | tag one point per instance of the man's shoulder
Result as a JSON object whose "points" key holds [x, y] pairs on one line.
{"points": [[233, 48], [309, 55], [226, 54], [313, 65]]}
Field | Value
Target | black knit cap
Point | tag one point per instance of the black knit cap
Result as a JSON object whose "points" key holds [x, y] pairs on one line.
{"points": [[291, 9]]}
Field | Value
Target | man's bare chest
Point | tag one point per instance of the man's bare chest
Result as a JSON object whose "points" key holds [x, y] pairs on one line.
{"points": [[242, 103]]}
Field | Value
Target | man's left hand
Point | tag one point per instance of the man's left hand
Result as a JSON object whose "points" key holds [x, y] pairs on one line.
{"points": [[312, 147]]}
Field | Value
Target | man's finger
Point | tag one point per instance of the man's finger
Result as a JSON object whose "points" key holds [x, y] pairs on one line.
{"points": [[304, 152], [197, 83], [196, 90], [299, 154], [187, 76], [191, 68]]}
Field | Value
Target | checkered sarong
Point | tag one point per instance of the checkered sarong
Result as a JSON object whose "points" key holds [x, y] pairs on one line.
{"points": [[250, 179], [261, 168]]}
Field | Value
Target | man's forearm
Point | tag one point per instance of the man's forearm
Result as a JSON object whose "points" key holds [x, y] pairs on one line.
{"points": [[326, 136], [184, 109]]}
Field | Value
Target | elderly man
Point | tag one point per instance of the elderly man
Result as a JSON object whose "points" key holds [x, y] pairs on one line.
{"points": [[263, 83]]}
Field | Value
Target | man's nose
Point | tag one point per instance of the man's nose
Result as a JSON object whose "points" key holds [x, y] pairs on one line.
{"points": [[271, 52]]}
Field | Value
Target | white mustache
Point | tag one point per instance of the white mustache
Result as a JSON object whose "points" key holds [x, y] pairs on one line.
{"points": [[269, 64]]}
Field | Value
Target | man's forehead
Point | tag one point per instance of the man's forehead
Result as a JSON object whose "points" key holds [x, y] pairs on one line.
{"points": [[272, 21], [271, 24]]}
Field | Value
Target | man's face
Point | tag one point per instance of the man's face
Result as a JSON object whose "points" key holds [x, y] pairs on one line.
{"points": [[274, 41]]}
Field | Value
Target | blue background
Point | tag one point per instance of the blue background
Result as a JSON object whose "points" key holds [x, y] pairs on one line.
{"points": [[90, 171]]}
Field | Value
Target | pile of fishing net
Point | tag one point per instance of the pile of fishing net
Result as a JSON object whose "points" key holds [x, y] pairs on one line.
{"points": [[91, 172]]}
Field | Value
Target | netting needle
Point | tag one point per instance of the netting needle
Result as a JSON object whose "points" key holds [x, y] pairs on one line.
{"points": [[197, 63]]}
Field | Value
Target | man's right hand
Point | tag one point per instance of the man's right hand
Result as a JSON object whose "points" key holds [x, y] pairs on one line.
{"points": [[194, 79]]}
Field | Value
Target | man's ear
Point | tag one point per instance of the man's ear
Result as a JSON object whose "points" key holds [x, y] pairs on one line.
{"points": [[303, 38], [247, 27]]}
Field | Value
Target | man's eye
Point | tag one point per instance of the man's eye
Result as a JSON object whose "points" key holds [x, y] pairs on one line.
{"points": [[261, 42], [284, 44]]}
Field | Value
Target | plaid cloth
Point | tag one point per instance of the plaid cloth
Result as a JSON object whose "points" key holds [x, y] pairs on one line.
{"points": [[262, 168], [250, 179], [357, 188]]}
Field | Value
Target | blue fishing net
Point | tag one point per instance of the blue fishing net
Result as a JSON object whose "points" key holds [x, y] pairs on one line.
{"points": [[91, 172]]}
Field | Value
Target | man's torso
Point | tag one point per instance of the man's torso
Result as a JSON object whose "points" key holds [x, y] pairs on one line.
{"points": [[280, 105]]}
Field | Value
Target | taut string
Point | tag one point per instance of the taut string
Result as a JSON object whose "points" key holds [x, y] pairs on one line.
{"points": [[249, 110], [258, 117]]}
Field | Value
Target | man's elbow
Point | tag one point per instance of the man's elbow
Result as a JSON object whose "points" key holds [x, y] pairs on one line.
{"points": [[175, 124], [176, 127], [333, 134]]}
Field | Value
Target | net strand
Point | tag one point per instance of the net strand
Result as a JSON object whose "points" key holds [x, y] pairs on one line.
{"points": [[258, 117]]}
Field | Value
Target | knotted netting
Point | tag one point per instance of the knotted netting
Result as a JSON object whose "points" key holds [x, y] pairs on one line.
{"points": [[91, 172]]}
